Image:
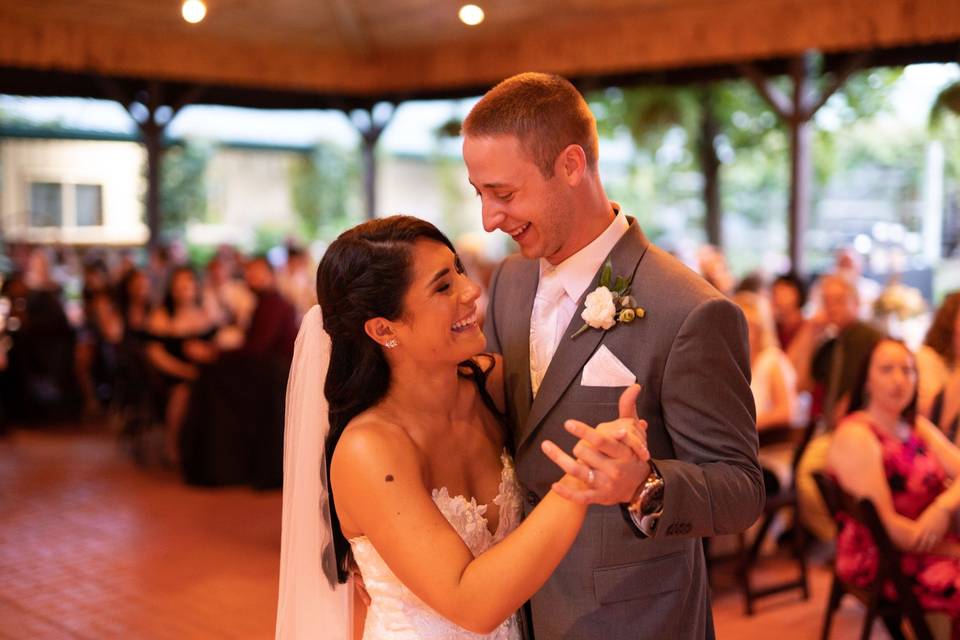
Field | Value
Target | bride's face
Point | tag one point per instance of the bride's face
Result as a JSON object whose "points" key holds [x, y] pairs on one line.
{"points": [[439, 323]]}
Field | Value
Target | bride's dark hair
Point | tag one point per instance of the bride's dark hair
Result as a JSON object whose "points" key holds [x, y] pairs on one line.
{"points": [[364, 274]]}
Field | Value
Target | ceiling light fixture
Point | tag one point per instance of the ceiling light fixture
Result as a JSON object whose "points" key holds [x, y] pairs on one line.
{"points": [[471, 15], [193, 11]]}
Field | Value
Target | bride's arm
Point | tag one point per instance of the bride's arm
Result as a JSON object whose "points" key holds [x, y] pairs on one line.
{"points": [[380, 492]]}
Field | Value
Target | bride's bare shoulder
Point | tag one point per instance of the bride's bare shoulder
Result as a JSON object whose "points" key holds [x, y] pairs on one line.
{"points": [[372, 439]]}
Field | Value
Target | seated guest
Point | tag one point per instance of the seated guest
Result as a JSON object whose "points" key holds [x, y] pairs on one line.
{"points": [[273, 326], [233, 429], [226, 299], [181, 335], [883, 450], [848, 264], [712, 264], [296, 281], [97, 337], [788, 296], [937, 361], [828, 352], [773, 383], [133, 302]]}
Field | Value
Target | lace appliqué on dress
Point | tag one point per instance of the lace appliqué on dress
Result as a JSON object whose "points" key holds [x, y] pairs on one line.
{"points": [[395, 612]]}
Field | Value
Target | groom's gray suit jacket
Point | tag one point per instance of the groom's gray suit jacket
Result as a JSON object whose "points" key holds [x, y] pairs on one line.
{"points": [[690, 354]]}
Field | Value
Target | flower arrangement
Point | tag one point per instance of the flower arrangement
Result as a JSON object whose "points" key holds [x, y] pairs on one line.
{"points": [[900, 300], [610, 303]]}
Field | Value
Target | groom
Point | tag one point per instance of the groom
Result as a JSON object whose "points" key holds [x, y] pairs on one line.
{"points": [[637, 568]]}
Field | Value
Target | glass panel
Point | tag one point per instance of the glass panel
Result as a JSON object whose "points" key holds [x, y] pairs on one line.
{"points": [[46, 204], [89, 205]]}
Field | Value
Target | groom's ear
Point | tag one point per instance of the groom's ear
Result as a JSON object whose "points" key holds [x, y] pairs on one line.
{"points": [[571, 164], [379, 330]]}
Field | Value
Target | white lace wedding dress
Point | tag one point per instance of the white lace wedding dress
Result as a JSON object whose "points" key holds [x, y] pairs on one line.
{"points": [[395, 613]]}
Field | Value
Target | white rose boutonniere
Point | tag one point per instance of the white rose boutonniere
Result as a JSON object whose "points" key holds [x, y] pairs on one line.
{"points": [[600, 312], [609, 304]]}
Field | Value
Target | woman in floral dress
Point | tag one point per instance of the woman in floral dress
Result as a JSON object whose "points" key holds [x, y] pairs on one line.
{"points": [[884, 451]]}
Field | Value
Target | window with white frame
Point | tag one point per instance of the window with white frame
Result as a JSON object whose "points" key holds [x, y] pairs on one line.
{"points": [[53, 204], [89, 201], [46, 204]]}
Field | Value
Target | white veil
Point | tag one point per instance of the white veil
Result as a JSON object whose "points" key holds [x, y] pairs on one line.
{"points": [[311, 603]]}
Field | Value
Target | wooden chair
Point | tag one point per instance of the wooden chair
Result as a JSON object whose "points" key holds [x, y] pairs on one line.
{"points": [[785, 499], [893, 612]]}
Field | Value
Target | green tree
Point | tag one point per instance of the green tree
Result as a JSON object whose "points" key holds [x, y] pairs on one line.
{"points": [[945, 126], [183, 185], [324, 187], [730, 137]]}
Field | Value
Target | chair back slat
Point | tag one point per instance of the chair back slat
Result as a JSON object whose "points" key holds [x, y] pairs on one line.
{"points": [[889, 556]]}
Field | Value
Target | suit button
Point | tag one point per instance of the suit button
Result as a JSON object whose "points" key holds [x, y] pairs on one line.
{"points": [[532, 499]]}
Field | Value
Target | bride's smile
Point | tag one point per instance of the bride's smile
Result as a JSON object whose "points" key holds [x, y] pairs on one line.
{"points": [[440, 325]]}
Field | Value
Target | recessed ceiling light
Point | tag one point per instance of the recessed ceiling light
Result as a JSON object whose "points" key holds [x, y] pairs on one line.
{"points": [[193, 11], [471, 14]]}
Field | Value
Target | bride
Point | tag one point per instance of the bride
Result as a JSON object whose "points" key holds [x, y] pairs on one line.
{"points": [[390, 403]]}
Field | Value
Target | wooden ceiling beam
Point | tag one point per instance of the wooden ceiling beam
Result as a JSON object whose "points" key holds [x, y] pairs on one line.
{"points": [[349, 26], [663, 36]]}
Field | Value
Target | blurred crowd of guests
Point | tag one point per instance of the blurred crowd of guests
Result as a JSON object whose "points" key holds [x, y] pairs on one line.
{"points": [[147, 340], [884, 412]]}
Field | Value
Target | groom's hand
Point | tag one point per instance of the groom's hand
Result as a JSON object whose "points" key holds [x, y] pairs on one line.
{"points": [[612, 460]]}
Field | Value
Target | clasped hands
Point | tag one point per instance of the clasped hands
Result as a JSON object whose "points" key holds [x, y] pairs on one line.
{"points": [[611, 460], [931, 527]]}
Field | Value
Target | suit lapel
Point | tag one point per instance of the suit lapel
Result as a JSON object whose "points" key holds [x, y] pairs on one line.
{"points": [[573, 353], [516, 337]]}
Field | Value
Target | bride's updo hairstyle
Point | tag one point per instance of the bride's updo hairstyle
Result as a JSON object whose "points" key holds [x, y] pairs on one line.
{"points": [[364, 274]]}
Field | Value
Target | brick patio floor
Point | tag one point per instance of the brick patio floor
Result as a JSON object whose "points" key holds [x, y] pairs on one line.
{"points": [[93, 547]]}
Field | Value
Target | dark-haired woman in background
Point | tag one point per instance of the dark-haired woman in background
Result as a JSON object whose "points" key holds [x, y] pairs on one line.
{"points": [[133, 302], [423, 494], [938, 361], [180, 341], [885, 452]]}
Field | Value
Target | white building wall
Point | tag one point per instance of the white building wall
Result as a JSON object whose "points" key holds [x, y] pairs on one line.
{"points": [[247, 189], [116, 166]]}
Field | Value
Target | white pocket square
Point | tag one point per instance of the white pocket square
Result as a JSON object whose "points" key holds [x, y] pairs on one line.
{"points": [[605, 370]]}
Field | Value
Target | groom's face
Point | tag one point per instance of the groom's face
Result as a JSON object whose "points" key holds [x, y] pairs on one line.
{"points": [[517, 199]]}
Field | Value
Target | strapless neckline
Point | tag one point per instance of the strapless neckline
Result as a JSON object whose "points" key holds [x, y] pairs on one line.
{"points": [[507, 479], [395, 612], [459, 503]]}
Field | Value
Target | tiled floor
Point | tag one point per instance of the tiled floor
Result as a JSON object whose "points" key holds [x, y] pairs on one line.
{"points": [[93, 547]]}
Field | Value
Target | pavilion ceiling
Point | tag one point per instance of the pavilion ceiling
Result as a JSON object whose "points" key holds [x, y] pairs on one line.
{"points": [[329, 52]]}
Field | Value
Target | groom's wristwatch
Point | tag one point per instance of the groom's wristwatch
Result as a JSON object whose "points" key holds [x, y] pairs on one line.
{"points": [[645, 509]]}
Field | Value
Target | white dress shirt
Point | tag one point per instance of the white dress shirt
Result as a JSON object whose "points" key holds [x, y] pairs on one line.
{"points": [[558, 291]]}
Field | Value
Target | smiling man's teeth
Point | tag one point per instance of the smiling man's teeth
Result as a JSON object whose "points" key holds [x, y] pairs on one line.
{"points": [[518, 230]]}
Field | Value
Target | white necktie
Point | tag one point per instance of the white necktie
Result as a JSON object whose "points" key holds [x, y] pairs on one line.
{"points": [[545, 329]]}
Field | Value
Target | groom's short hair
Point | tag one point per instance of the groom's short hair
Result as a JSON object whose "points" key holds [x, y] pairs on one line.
{"points": [[545, 112]]}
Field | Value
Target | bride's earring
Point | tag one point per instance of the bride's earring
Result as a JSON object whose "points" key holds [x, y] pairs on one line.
{"points": [[391, 343]]}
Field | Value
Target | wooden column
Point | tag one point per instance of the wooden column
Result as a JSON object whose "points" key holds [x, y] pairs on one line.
{"points": [[797, 112], [152, 132], [801, 162], [710, 168], [152, 125], [370, 123]]}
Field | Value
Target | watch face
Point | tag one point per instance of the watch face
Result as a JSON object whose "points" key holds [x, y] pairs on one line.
{"points": [[651, 499]]}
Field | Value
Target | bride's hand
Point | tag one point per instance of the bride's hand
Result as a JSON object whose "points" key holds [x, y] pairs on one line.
{"points": [[612, 460]]}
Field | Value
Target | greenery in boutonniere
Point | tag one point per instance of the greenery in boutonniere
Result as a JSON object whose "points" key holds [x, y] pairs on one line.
{"points": [[609, 303]]}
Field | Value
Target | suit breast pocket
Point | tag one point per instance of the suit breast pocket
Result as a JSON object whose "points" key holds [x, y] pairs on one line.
{"points": [[593, 395]]}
